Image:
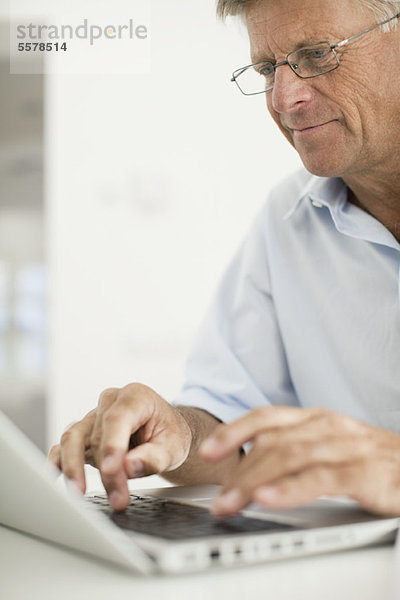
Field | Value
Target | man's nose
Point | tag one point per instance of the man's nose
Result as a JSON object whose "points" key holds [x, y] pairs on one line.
{"points": [[289, 91]]}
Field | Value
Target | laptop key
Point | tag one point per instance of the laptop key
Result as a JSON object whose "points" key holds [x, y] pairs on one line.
{"points": [[174, 521]]}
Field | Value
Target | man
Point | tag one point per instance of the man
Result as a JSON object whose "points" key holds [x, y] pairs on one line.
{"points": [[300, 352]]}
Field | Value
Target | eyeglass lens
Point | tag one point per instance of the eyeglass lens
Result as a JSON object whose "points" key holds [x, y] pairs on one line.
{"points": [[309, 61]]}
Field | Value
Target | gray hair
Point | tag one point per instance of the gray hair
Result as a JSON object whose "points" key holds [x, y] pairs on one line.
{"points": [[382, 9]]}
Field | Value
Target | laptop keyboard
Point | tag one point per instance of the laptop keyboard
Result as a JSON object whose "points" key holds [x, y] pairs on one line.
{"points": [[174, 521]]}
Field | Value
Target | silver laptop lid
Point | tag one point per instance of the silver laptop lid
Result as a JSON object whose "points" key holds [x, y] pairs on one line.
{"points": [[31, 502]]}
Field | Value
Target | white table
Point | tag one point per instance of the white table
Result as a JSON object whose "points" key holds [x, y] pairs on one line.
{"points": [[34, 570]]}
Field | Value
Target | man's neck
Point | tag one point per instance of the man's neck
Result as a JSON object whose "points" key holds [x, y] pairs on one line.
{"points": [[381, 200]]}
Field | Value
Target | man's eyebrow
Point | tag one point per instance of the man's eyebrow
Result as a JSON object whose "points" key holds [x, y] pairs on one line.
{"points": [[263, 57]]}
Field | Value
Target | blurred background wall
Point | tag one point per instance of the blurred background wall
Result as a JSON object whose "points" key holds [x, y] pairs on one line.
{"points": [[122, 198], [23, 311]]}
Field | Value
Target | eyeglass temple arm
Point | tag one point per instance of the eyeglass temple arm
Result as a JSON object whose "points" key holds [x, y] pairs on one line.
{"points": [[353, 37], [239, 72]]}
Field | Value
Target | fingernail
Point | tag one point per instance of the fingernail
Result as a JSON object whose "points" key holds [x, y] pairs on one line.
{"points": [[108, 463], [226, 502], [136, 467], [209, 446]]}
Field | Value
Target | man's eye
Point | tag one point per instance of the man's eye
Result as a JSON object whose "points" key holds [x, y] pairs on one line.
{"points": [[313, 53], [317, 53], [267, 70]]}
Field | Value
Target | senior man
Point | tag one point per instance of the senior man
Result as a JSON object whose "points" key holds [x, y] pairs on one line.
{"points": [[300, 351]]}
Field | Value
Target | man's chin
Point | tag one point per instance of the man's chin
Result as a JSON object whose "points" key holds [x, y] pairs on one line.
{"points": [[323, 152], [322, 168]]}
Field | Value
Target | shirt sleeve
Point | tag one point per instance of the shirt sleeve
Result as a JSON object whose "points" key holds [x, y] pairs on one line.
{"points": [[238, 361]]}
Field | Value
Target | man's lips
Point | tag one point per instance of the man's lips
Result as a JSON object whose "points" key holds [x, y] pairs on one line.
{"points": [[308, 128]]}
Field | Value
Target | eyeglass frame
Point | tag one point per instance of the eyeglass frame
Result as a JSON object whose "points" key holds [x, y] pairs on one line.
{"points": [[241, 70]]}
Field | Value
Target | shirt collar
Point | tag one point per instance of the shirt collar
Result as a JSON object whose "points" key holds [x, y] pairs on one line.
{"points": [[321, 191], [348, 219]]}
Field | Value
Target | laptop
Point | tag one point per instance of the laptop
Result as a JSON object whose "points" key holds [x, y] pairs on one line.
{"points": [[169, 530]]}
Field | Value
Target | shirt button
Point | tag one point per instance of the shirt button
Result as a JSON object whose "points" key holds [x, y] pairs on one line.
{"points": [[316, 204]]}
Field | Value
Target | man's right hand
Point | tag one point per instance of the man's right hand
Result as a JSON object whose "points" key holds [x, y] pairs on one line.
{"points": [[103, 438]]}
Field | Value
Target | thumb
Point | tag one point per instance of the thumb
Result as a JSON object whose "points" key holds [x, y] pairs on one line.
{"points": [[150, 458]]}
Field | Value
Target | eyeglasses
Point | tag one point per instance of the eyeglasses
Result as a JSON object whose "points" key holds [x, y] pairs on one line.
{"points": [[307, 62]]}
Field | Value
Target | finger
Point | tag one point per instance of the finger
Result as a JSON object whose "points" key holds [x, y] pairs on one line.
{"points": [[291, 450], [228, 438], [150, 458], [54, 456], [116, 487], [119, 422], [72, 454], [262, 467], [354, 479], [106, 400], [376, 484], [294, 490]]}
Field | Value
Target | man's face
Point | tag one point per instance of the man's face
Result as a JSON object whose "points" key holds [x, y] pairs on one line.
{"points": [[345, 123]]}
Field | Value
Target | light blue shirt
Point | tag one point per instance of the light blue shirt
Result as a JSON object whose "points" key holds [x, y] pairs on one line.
{"points": [[307, 314]]}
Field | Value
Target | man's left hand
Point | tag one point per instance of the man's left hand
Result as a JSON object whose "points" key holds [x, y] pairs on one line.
{"points": [[299, 454]]}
